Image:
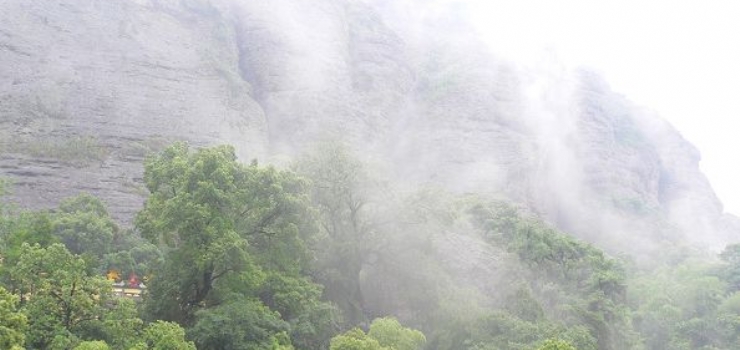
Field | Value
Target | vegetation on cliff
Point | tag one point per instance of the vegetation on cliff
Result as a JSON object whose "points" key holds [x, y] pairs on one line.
{"points": [[329, 255]]}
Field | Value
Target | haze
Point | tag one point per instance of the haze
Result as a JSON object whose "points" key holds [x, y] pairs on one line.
{"points": [[366, 174], [678, 58]]}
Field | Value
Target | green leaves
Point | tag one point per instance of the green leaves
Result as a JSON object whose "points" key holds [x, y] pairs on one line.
{"points": [[390, 333], [92, 345], [587, 287], [355, 339], [162, 335], [384, 334], [556, 344], [240, 324], [84, 226], [121, 324], [192, 210], [13, 323], [339, 192], [241, 244], [62, 296], [235, 242], [687, 307]]}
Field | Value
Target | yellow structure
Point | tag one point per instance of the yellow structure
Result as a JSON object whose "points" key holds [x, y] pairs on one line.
{"points": [[127, 292]]}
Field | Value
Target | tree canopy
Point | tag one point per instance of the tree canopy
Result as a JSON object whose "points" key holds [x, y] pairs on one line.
{"points": [[244, 256], [236, 238]]}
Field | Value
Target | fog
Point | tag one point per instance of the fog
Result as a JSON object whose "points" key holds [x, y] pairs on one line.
{"points": [[675, 58], [491, 173], [456, 94]]}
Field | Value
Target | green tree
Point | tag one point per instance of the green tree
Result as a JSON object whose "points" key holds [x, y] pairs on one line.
{"points": [[4, 191], [339, 191], [591, 284], [239, 325], [84, 226], [132, 255], [731, 271], [556, 344], [162, 335], [232, 235], [23, 228], [384, 334], [13, 323], [92, 345], [64, 300], [192, 210], [355, 339], [297, 300], [390, 333], [121, 325]]}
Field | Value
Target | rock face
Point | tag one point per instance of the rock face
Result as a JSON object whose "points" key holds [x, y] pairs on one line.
{"points": [[119, 77], [87, 88]]}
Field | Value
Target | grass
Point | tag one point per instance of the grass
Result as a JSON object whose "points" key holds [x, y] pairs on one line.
{"points": [[143, 148], [78, 150]]}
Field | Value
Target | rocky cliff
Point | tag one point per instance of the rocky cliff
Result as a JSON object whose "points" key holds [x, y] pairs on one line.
{"points": [[87, 88]]}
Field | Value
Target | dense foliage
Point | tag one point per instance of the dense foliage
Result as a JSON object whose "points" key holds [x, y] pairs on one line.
{"points": [[384, 334], [237, 256]]}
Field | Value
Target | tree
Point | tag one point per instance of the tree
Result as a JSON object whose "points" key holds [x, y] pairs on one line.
{"points": [[64, 301], [731, 272], [84, 226], [162, 335], [23, 228], [593, 285], [239, 325], [339, 191], [556, 344], [192, 210], [131, 255], [13, 323], [390, 333], [297, 300], [5, 208], [4, 190], [384, 334], [92, 345], [233, 235], [355, 339], [121, 324]]}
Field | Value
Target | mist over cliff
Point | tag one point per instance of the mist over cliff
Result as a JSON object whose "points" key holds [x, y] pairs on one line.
{"points": [[389, 169], [88, 88]]}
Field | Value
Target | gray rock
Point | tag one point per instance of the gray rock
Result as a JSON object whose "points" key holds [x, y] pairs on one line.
{"points": [[88, 88]]}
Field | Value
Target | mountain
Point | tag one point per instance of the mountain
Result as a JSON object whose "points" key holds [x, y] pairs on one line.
{"points": [[88, 88]]}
